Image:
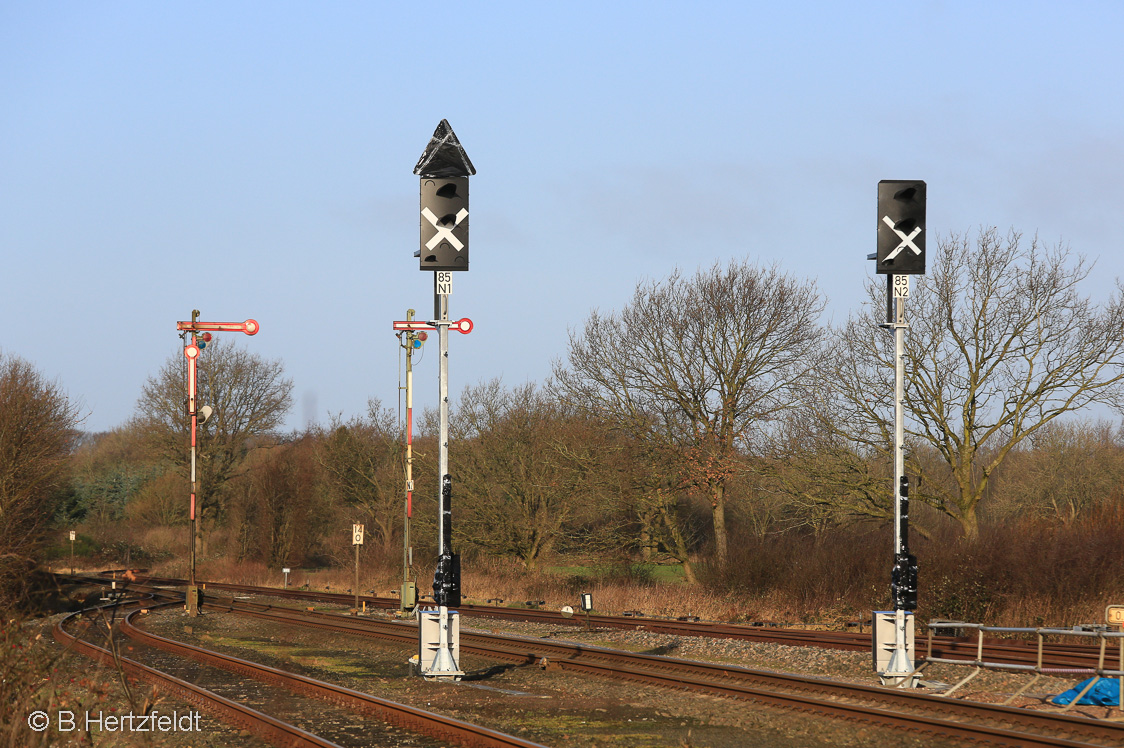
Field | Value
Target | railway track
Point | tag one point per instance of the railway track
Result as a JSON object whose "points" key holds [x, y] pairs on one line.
{"points": [[1002, 651], [902, 710], [276, 731], [270, 729]]}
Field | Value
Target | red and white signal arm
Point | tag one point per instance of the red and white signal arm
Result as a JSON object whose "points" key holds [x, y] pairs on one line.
{"points": [[250, 326], [412, 324], [357, 534], [463, 325]]}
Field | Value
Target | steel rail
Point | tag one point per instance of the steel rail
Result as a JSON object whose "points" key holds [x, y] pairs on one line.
{"points": [[798, 692], [996, 650], [268, 728], [400, 715]]}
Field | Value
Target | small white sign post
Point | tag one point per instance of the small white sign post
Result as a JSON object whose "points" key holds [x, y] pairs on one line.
{"points": [[357, 540]]}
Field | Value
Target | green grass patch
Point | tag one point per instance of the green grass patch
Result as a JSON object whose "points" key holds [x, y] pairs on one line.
{"points": [[293, 653], [666, 573]]}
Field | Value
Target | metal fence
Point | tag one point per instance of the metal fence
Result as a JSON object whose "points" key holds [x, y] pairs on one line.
{"points": [[1040, 668]]}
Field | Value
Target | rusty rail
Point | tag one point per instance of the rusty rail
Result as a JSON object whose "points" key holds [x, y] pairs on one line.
{"points": [[268, 728], [401, 715], [990, 723]]}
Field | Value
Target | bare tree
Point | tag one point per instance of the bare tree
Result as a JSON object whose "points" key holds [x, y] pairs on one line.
{"points": [[525, 471], [363, 463], [249, 395], [1001, 342], [821, 480], [37, 434], [1062, 472], [277, 512], [698, 367]]}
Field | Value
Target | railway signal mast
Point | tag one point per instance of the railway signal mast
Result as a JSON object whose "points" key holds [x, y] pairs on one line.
{"points": [[410, 339], [444, 169], [901, 253], [200, 335]]}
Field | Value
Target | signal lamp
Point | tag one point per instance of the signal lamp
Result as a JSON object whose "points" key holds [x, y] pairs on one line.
{"points": [[903, 581], [901, 227]]}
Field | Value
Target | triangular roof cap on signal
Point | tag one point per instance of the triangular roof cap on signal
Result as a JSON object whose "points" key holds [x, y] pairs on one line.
{"points": [[444, 156]]}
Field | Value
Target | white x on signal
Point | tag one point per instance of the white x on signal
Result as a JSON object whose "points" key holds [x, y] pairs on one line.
{"points": [[907, 241], [444, 233]]}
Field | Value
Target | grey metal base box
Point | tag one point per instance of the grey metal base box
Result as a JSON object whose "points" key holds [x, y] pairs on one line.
{"points": [[884, 638], [429, 641]]}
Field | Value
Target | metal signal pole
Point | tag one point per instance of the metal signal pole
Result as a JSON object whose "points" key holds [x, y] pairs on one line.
{"points": [[441, 316], [900, 668], [447, 581], [444, 169], [900, 253], [200, 335], [408, 599]]}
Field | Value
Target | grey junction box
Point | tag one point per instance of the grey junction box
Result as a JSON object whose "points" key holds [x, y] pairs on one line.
{"points": [[885, 640], [429, 638]]}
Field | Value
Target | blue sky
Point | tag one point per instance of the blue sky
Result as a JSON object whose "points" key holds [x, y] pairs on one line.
{"points": [[255, 159]]}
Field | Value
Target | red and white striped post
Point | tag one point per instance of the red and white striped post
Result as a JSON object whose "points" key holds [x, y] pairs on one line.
{"points": [[199, 329], [415, 331], [409, 340]]}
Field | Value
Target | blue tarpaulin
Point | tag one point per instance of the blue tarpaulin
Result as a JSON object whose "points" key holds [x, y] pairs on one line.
{"points": [[1105, 693]]}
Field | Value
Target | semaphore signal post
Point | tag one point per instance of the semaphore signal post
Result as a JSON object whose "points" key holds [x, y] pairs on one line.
{"points": [[200, 335], [410, 340]]}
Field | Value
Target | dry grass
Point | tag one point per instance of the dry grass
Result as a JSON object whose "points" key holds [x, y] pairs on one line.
{"points": [[484, 580], [161, 540], [1012, 575], [1030, 574], [38, 674]]}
